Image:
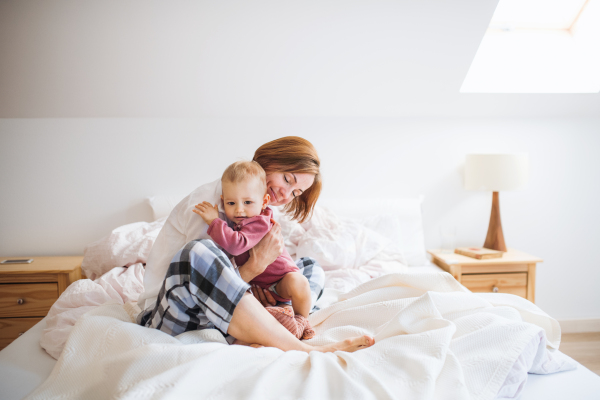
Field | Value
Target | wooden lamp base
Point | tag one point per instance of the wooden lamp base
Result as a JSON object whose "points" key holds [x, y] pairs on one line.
{"points": [[495, 238]]}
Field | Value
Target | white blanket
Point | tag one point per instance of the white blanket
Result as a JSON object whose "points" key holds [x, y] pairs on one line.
{"points": [[120, 284], [445, 343]]}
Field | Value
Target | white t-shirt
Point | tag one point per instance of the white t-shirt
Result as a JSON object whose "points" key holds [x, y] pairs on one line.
{"points": [[182, 226]]}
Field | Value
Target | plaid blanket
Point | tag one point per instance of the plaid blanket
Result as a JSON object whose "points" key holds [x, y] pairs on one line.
{"points": [[202, 288]]}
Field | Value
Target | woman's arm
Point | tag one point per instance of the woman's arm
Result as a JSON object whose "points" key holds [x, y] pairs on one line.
{"points": [[263, 254]]}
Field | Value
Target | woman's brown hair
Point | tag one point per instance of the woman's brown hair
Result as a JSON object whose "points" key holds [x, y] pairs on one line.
{"points": [[296, 155]]}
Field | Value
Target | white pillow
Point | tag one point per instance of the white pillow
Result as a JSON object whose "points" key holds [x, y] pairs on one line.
{"points": [[399, 220], [124, 246], [339, 242], [163, 205]]}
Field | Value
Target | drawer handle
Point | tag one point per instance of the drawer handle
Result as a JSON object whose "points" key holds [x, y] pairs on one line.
{"points": [[495, 289], [21, 301]]}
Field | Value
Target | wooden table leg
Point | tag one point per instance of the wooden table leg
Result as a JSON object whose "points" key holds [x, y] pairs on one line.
{"points": [[531, 282]]}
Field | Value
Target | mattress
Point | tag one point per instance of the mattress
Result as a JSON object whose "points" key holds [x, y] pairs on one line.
{"points": [[24, 365]]}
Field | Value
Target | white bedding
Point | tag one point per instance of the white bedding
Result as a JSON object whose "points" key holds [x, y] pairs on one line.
{"points": [[371, 256], [446, 343], [349, 252], [120, 284], [24, 365]]}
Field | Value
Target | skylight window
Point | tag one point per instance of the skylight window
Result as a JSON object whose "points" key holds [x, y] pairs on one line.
{"points": [[539, 46]]}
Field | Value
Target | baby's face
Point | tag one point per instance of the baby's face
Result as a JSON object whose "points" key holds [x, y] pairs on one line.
{"points": [[244, 199]]}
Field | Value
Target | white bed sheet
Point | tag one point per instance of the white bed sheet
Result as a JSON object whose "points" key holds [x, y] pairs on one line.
{"points": [[581, 384], [24, 365]]}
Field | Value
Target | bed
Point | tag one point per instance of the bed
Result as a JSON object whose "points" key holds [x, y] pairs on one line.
{"points": [[24, 365]]}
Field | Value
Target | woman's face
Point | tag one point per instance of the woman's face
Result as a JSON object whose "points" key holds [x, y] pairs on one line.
{"points": [[284, 186]]}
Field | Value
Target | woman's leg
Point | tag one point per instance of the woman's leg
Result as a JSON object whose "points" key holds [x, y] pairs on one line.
{"points": [[251, 323], [201, 289], [311, 269]]}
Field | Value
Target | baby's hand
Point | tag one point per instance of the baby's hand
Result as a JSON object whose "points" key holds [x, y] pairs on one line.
{"points": [[207, 211]]}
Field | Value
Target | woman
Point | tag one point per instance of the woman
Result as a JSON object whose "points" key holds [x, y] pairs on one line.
{"points": [[190, 284]]}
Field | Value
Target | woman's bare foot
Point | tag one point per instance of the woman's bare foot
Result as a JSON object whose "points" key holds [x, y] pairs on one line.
{"points": [[350, 345], [241, 343]]}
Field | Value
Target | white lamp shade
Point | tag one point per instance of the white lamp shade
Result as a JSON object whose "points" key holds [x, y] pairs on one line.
{"points": [[496, 172]]}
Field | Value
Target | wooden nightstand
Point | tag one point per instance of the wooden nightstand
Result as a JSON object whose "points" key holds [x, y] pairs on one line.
{"points": [[513, 273], [27, 291]]}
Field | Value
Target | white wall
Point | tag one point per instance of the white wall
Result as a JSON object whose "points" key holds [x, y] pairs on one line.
{"points": [[67, 182], [181, 58], [253, 71]]}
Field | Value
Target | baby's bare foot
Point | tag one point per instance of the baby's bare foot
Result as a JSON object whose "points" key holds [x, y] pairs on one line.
{"points": [[349, 345]]}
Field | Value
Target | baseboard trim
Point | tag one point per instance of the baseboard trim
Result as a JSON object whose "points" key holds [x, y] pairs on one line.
{"points": [[579, 325]]}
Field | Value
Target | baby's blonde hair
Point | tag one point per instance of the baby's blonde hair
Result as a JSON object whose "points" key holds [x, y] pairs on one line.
{"points": [[239, 171]]}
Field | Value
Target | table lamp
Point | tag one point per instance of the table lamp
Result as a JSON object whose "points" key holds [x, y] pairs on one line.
{"points": [[495, 173]]}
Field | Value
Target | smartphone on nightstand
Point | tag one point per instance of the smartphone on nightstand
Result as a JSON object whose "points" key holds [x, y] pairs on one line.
{"points": [[20, 261]]}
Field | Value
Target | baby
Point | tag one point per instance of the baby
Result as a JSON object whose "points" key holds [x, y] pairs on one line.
{"points": [[245, 201]]}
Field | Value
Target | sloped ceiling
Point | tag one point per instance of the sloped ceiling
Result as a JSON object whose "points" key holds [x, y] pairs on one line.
{"points": [[107, 58]]}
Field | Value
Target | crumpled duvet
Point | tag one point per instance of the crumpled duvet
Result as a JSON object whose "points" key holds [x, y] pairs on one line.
{"points": [[338, 243], [350, 251], [434, 340], [124, 246], [120, 285], [114, 266]]}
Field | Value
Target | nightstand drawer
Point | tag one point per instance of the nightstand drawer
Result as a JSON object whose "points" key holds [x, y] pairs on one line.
{"points": [[27, 299], [515, 283], [12, 328]]}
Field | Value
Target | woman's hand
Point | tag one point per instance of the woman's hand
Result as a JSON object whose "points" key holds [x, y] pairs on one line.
{"points": [[263, 254], [207, 211], [269, 248], [263, 296]]}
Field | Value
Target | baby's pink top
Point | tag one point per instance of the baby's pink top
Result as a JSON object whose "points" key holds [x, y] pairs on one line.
{"points": [[244, 236]]}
